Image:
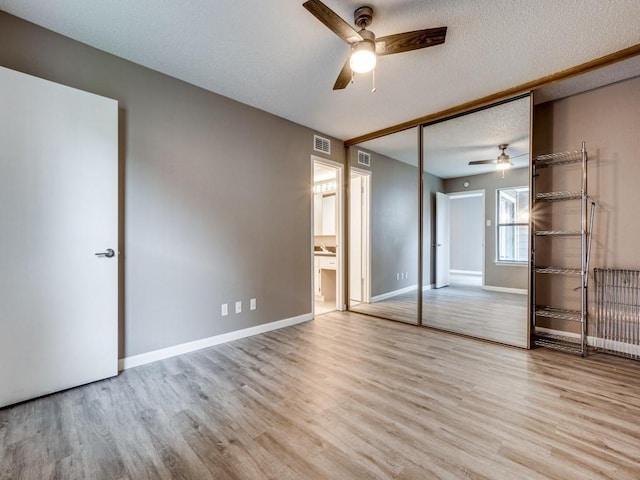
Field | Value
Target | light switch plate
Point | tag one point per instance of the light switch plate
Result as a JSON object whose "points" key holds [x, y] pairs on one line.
{"points": [[238, 307]]}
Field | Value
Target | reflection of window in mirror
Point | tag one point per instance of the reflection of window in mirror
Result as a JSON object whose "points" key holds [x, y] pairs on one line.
{"points": [[512, 225]]}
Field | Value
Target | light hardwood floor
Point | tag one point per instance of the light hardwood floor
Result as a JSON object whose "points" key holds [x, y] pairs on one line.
{"points": [[341, 397], [469, 310], [401, 308], [497, 316]]}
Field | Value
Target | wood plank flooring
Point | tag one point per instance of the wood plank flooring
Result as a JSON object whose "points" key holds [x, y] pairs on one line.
{"points": [[497, 316], [469, 310], [341, 397], [400, 308]]}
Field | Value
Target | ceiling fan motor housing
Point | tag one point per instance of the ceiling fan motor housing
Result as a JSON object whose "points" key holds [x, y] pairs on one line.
{"points": [[368, 42], [363, 53], [363, 16], [368, 36]]}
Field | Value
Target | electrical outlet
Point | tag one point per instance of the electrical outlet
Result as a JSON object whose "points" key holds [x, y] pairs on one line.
{"points": [[238, 307], [224, 310], [252, 304]]}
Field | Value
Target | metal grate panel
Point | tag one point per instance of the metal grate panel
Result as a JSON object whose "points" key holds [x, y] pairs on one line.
{"points": [[364, 158], [618, 312], [321, 144]]}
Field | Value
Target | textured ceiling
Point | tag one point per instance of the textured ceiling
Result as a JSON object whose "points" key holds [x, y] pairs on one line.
{"points": [[449, 146], [588, 81], [277, 57]]}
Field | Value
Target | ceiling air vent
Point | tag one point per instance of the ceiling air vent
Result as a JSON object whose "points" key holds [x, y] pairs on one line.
{"points": [[364, 158], [321, 144]]}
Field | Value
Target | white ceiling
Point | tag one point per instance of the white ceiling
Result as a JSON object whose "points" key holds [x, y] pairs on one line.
{"points": [[588, 81], [276, 56]]}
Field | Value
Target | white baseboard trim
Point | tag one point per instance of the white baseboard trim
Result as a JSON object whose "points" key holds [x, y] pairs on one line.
{"points": [[385, 296], [519, 291], [621, 347], [612, 345], [154, 356], [475, 273]]}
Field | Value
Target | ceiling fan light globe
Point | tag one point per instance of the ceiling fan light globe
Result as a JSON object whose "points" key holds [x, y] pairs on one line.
{"points": [[363, 57], [503, 165]]}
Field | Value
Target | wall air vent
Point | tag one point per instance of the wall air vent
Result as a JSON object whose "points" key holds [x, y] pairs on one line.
{"points": [[364, 158], [321, 144]]}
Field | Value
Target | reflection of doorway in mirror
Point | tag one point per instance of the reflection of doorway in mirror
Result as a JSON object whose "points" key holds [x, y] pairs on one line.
{"points": [[327, 215], [443, 232], [466, 241], [359, 237]]}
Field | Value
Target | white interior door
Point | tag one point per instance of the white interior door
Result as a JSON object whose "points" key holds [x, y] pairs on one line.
{"points": [[58, 208], [442, 240]]}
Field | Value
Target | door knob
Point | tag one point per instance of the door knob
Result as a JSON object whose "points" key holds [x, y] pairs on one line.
{"points": [[107, 253]]}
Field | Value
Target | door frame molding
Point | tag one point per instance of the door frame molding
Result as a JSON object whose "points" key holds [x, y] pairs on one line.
{"points": [[340, 205], [366, 247]]}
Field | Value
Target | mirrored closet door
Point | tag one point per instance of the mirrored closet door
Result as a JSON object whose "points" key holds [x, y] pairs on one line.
{"points": [[476, 223], [383, 227]]}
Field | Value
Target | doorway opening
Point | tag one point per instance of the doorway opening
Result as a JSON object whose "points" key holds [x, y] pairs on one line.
{"points": [[359, 259], [327, 222], [460, 239]]}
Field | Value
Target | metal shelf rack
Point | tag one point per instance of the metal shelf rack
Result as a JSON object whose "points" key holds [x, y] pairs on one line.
{"points": [[540, 337], [557, 233]]}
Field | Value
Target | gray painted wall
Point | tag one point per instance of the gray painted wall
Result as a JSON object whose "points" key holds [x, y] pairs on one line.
{"points": [[215, 201], [608, 119], [394, 222], [467, 233], [509, 276]]}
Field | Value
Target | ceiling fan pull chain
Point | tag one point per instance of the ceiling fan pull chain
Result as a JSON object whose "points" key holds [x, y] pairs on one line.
{"points": [[373, 80]]}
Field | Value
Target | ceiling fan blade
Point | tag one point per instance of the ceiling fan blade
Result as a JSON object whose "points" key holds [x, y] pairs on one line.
{"points": [[344, 77], [483, 162], [405, 42], [332, 21]]}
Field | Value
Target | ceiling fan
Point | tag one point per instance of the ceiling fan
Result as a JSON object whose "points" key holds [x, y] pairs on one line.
{"points": [[503, 161], [365, 47]]}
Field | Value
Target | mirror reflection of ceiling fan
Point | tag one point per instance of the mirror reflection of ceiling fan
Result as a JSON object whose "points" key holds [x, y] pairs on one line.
{"points": [[503, 162], [365, 47]]}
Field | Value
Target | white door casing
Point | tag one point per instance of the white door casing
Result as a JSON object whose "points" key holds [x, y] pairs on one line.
{"points": [[359, 236], [338, 226], [442, 240], [58, 208], [356, 274]]}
